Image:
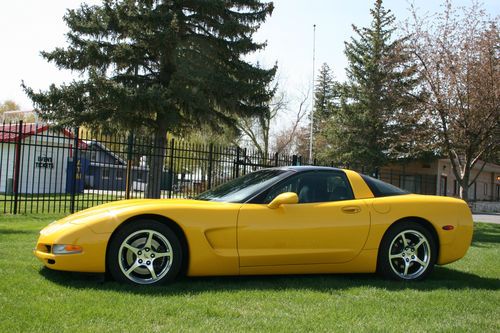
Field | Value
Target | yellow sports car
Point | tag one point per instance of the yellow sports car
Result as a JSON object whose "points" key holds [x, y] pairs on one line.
{"points": [[290, 220]]}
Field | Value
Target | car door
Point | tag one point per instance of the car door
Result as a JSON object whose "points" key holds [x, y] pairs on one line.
{"points": [[327, 225]]}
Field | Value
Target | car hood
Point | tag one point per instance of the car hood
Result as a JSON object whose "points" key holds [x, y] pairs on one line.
{"points": [[111, 209]]}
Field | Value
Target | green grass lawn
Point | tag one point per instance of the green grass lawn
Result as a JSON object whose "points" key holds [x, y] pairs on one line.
{"points": [[53, 203], [463, 296]]}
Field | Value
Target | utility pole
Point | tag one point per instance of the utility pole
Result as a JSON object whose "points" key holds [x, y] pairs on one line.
{"points": [[312, 97]]}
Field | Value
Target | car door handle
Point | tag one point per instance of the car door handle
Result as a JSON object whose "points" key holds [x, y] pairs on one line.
{"points": [[351, 209]]}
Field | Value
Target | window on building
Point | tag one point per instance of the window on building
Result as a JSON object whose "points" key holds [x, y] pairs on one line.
{"points": [[119, 174], [93, 155], [105, 173], [485, 188], [456, 188], [411, 183], [444, 185], [473, 191]]}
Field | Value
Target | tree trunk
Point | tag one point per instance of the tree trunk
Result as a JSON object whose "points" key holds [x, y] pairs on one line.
{"points": [[464, 192], [464, 185], [156, 161]]}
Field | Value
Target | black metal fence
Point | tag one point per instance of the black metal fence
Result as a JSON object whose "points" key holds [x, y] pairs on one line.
{"points": [[44, 169], [48, 169]]}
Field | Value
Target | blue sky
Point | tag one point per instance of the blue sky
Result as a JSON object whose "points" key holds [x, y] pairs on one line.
{"points": [[290, 32], [29, 26]]}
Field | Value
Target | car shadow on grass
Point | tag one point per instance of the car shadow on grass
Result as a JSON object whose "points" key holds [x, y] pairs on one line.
{"points": [[442, 278]]}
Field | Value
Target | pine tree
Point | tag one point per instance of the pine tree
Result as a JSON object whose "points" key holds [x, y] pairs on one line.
{"points": [[378, 97], [326, 97], [163, 65]]}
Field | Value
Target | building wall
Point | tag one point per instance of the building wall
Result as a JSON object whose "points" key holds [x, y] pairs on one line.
{"points": [[109, 177], [43, 166], [486, 187], [96, 154], [416, 177], [7, 156]]}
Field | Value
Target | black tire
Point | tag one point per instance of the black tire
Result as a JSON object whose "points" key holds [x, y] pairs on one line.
{"points": [[132, 260], [412, 262]]}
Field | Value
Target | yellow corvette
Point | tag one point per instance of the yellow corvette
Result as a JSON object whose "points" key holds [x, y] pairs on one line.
{"points": [[291, 220]]}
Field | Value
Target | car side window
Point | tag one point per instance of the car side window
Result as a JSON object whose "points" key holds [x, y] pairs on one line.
{"points": [[288, 185], [316, 186]]}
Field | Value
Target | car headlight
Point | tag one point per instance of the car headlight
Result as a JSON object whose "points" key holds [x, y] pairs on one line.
{"points": [[66, 249]]}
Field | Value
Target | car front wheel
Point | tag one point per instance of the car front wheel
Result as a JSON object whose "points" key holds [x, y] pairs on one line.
{"points": [[144, 252], [408, 252]]}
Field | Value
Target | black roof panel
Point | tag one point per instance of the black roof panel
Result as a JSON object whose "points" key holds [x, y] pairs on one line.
{"points": [[300, 168]]}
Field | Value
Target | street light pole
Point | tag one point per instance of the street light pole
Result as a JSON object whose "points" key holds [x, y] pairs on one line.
{"points": [[312, 97]]}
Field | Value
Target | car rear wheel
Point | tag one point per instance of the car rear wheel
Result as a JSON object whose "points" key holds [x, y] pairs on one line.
{"points": [[144, 252], [408, 252]]}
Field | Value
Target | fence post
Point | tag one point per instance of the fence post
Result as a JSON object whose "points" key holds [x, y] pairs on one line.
{"points": [[17, 165], [237, 162], [210, 160], [276, 159], [403, 176], [74, 171], [171, 169], [244, 161], [128, 179]]}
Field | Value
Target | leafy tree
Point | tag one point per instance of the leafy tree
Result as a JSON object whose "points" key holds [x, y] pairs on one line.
{"points": [[257, 129], [163, 65], [291, 139], [457, 53], [380, 93], [8, 105]]}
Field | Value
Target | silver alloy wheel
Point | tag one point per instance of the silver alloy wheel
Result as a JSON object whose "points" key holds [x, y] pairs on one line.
{"points": [[145, 256], [409, 254]]}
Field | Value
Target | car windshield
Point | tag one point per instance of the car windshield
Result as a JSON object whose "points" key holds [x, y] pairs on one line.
{"points": [[240, 189]]}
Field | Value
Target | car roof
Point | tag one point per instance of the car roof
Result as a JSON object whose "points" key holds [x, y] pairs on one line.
{"points": [[301, 168]]}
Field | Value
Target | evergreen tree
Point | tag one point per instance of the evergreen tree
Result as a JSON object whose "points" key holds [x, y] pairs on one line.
{"points": [[378, 97], [164, 65], [324, 97], [326, 103]]}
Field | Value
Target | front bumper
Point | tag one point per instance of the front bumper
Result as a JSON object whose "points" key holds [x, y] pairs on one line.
{"points": [[92, 259]]}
